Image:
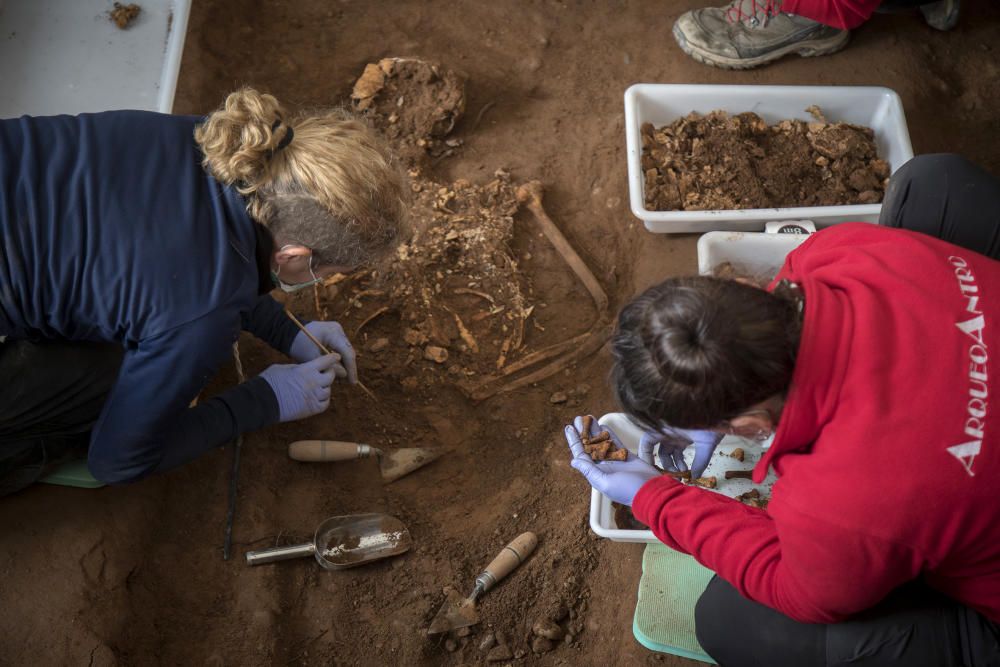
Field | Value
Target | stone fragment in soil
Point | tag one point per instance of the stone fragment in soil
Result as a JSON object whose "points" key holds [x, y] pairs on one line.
{"points": [[541, 645], [558, 397], [450, 645], [499, 654], [545, 627], [378, 344], [487, 642], [438, 355]]}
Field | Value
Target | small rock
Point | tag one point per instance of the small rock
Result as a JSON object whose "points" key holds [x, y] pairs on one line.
{"points": [[542, 645], [487, 642], [451, 645], [499, 654], [414, 337], [463, 632], [378, 345], [547, 628], [558, 397], [520, 653], [438, 355], [738, 454]]}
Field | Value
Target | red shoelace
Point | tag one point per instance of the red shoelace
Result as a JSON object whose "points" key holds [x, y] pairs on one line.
{"points": [[769, 7]]}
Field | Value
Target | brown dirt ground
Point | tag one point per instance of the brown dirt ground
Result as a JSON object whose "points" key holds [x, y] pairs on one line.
{"points": [[134, 575]]}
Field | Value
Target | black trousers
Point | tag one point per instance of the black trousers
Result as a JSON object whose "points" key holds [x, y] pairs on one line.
{"points": [[914, 626], [950, 198], [52, 394]]}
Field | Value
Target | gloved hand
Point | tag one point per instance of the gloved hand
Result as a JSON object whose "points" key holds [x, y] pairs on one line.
{"points": [[303, 390], [618, 480], [332, 335], [673, 442]]}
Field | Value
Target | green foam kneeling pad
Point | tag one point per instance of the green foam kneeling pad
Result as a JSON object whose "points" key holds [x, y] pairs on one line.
{"points": [[73, 473], [670, 586]]}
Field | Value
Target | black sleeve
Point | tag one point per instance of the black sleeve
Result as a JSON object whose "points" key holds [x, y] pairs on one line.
{"points": [[267, 321], [146, 425]]}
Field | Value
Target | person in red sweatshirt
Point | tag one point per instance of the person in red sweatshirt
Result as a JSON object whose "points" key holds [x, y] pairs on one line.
{"points": [[872, 358], [750, 33]]}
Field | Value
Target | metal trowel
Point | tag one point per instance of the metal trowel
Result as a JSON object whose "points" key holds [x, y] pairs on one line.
{"points": [[393, 464], [458, 612]]}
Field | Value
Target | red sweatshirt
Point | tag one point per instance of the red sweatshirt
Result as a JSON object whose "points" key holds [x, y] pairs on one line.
{"points": [[843, 14], [887, 449]]}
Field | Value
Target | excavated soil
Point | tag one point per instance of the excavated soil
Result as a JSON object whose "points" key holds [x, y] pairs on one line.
{"points": [[134, 575], [415, 103], [723, 161]]}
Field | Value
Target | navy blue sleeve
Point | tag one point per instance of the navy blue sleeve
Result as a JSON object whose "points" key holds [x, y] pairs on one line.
{"points": [[268, 322], [146, 425]]}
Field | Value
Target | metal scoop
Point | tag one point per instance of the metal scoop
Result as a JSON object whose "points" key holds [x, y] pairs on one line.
{"points": [[345, 541]]}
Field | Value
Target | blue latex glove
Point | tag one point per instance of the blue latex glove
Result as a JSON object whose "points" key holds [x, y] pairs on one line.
{"points": [[332, 335], [673, 442], [618, 480], [302, 390]]}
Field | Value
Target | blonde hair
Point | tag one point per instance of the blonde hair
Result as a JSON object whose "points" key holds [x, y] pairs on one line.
{"points": [[333, 158]]}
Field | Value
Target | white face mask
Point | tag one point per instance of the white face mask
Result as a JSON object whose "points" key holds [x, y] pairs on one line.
{"points": [[289, 288]]}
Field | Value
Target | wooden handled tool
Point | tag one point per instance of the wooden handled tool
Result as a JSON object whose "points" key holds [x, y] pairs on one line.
{"points": [[314, 451], [506, 561], [325, 350], [458, 612], [393, 463]]}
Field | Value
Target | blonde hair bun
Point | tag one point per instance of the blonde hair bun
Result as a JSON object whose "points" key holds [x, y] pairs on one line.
{"points": [[334, 158]]}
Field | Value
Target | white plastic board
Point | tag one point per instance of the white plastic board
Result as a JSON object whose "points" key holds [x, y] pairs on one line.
{"points": [[660, 104], [602, 519], [67, 57]]}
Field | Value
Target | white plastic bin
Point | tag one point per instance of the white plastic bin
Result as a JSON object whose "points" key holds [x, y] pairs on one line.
{"points": [[660, 104], [755, 253], [602, 515], [67, 57]]}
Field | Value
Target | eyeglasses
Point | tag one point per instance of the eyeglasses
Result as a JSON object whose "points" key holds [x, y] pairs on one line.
{"points": [[760, 435]]}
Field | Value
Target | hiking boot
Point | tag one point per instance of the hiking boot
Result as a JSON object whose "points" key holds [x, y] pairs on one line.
{"points": [[942, 15], [750, 33]]}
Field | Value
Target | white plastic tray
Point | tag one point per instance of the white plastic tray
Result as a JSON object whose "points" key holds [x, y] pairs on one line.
{"points": [[66, 57], [660, 104], [602, 515], [756, 253]]}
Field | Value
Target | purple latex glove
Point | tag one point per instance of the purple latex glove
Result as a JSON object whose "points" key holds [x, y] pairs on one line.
{"points": [[332, 335], [618, 480], [303, 390], [673, 442]]}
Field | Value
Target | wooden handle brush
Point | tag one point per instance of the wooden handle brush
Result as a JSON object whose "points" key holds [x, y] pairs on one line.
{"points": [[325, 349]]}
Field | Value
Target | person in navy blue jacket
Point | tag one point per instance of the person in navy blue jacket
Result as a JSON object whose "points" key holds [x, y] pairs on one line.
{"points": [[135, 248]]}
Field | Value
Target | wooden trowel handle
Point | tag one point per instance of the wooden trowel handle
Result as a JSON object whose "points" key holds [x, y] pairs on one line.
{"points": [[329, 450], [512, 555]]}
